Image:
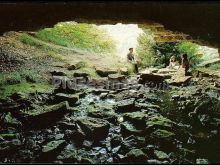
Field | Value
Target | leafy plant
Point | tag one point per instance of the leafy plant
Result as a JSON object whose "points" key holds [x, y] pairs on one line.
{"points": [[78, 35], [191, 50], [145, 49]]}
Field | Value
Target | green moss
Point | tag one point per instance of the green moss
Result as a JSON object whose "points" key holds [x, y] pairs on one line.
{"points": [[163, 134], [24, 88], [160, 121], [78, 35]]}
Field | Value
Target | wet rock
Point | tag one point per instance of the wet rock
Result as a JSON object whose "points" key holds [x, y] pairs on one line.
{"points": [[104, 72], [41, 118], [128, 129], [158, 121], [109, 116], [137, 118], [9, 120], [135, 156], [160, 155], [116, 141], [94, 128], [162, 134], [146, 77], [51, 150], [116, 77], [68, 156], [146, 106], [154, 161], [124, 106], [53, 145], [8, 147], [71, 98], [77, 136], [202, 161]]}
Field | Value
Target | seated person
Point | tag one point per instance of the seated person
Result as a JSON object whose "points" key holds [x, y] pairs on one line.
{"points": [[173, 63], [185, 63], [131, 59]]}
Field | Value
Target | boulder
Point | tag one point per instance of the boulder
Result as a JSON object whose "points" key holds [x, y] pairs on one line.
{"points": [[68, 156], [94, 128], [52, 145], [160, 155], [9, 147], [58, 73], [109, 116], [128, 129], [150, 77], [44, 117], [104, 72], [162, 134], [137, 118], [135, 156], [80, 74], [51, 150], [178, 81], [124, 106], [71, 98], [123, 71], [158, 121], [77, 65], [116, 77]]}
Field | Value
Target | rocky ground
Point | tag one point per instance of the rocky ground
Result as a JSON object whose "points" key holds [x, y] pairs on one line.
{"points": [[157, 116], [145, 119]]}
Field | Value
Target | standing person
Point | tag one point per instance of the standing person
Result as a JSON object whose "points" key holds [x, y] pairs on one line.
{"points": [[131, 59], [185, 63]]}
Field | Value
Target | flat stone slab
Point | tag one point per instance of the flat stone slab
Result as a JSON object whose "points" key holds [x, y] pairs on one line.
{"points": [[94, 128], [150, 77], [43, 117], [178, 81], [104, 72], [71, 98]]}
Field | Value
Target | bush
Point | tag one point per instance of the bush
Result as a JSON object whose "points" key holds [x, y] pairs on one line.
{"points": [[167, 49], [164, 51], [145, 51], [191, 50], [78, 35]]}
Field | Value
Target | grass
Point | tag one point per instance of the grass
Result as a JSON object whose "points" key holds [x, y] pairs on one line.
{"points": [[24, 88], [29, 40], [78, 35], [90, 71], [18, 77]]}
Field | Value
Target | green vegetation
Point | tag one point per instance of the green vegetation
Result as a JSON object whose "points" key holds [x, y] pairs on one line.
{"points": [[23, 88], [29, 40], [145, 49], [167, 49], [78, 35], [18, 77], [191, 50], [90, 71]]}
